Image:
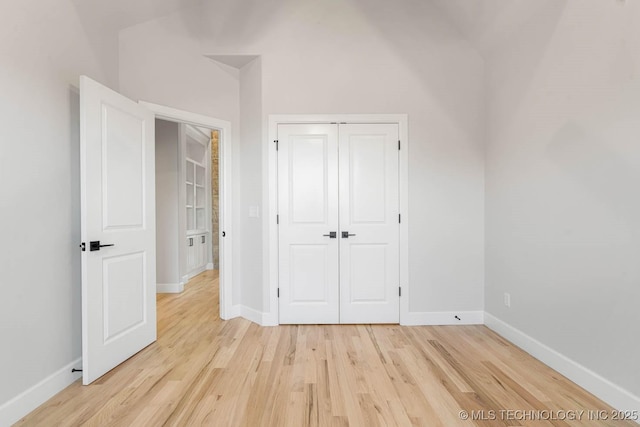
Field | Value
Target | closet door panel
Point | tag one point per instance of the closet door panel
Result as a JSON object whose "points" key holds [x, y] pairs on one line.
{"points": [[369, 226], [308, 213]]}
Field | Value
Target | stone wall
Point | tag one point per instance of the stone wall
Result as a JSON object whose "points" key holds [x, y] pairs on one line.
{"points": [[215, 217]]}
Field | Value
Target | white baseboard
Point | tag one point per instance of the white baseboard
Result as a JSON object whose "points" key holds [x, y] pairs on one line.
{"points": [[210, 266], [595, 384], [270, 319], [232, 312], [409, 319], [251, 314], [169, 288], [433, 318], [194, 273], [21, 405]]}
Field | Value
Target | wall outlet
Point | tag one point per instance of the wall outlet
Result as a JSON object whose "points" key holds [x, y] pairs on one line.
{"points": [[507, 299], [254, 212]]}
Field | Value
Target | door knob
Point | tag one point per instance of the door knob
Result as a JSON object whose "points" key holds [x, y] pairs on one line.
{"points": [[331, 235], [95, 245], [345, 234]]}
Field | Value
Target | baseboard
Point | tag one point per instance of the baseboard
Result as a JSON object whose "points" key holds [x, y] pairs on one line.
{"points": [[251, 314], [433, 318], [184, 280], [210, 266], [21, 405], [270, 319], [232, 312], [169, 288], [595, 384], [194, 273]]}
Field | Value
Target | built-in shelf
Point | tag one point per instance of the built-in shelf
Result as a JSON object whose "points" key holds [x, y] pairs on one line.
{"points": [[197, 187], [196, 180]]}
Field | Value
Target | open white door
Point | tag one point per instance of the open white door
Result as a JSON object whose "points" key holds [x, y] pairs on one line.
{"points": [[118, 228]]}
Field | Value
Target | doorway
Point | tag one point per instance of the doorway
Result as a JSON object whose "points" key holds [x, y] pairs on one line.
{"points": [[223, 236], [186, 203], [118, 221]]}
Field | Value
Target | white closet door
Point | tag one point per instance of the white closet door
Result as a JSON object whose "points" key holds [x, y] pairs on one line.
{"points": [[308, 213], [369, 224]]}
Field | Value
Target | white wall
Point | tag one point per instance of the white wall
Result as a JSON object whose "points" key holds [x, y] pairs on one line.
{"points": [[249, 229], [160, 62], [352, 57], [168, 236], [382, 57], [43, 50], [563, 167]]}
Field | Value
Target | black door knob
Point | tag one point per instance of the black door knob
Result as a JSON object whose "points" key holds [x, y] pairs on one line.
{"points": [[95, 245]]}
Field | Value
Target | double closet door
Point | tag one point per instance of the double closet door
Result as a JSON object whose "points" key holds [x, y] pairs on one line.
{"points": [[338, 209]]}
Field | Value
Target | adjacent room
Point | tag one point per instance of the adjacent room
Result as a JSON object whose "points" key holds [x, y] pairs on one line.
{"points": [[295, 212]]}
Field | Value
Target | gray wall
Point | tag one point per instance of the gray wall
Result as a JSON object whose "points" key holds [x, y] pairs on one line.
{"points": [[167, 221], [379, 57], [361, 57], [249, 230], [562, 199], [43, 50]]}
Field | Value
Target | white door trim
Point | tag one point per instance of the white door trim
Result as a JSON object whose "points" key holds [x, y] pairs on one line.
{"points": [[270, 241], [227, 310]]}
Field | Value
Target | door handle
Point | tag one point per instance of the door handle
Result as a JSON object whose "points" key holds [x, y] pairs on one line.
{"points": [[190, 241], [202, 237], [331, 235], [346, 235], [95, 245]]}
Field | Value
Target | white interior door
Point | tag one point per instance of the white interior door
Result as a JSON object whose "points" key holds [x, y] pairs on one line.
{"points": [[308, 214], [118, 210], [369, 224]]}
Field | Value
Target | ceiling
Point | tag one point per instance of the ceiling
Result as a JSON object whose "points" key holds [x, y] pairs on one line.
{"points": [[116, 15], [485, 23], [488, 23]]}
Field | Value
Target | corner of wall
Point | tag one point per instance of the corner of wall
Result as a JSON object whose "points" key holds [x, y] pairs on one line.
{"points": [[604, 389]]}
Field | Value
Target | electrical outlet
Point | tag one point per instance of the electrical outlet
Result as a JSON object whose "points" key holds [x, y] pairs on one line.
{"points": [[507, 299]]}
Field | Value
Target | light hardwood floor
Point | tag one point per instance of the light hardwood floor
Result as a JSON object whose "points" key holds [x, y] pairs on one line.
{"points": [[204, 371]]}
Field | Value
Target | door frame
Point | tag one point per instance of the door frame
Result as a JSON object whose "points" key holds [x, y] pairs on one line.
{"points": [[225, 214], [270, 226]]}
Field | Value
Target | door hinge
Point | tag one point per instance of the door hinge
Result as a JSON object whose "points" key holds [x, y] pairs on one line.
{"points": [[277, 219], [277, 143], [398, 144], [399, 291], [83, 247], [399, 219], [278, 292]]}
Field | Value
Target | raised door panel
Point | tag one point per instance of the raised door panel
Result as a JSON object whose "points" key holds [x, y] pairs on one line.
{"points": [[124, 304]]}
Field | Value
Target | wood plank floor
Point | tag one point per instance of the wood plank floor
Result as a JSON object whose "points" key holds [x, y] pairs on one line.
{"points": [[204, 371]]}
